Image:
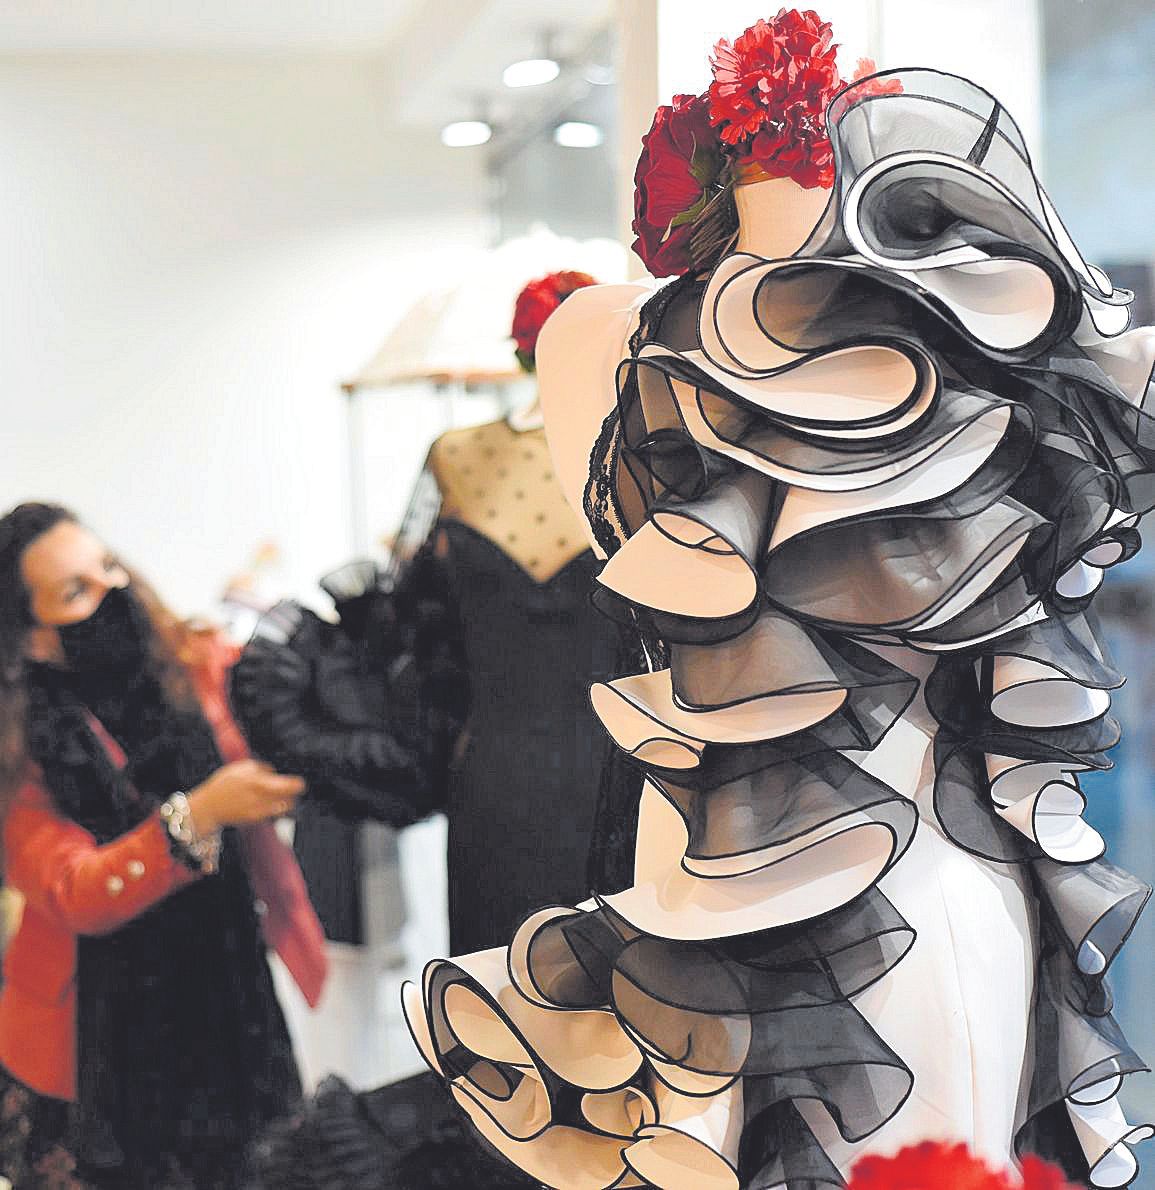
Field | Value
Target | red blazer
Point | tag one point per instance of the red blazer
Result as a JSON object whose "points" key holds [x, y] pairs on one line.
{"points": [[73, 886]]}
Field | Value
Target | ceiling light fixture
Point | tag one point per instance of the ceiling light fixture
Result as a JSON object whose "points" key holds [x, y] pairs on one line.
{"points": [[464, 134], [535, 71], [531, 72], [578, 134], [599, 75]]}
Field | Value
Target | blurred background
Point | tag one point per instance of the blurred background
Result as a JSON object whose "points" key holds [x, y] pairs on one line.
{"points": [[256, 254]]}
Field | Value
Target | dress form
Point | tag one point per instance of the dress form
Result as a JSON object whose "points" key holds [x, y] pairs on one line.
{"points": [[499, 481], [520, 570], [776, 216]]}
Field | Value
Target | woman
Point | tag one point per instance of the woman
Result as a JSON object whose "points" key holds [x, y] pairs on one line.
{"points": [[140, 1036]]}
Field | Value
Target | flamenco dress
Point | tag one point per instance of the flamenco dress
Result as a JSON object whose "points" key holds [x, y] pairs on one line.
{"points": [[856, 499]]}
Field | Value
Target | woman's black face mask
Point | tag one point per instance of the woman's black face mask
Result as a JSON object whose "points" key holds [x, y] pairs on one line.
{"points": [[113, 641]]}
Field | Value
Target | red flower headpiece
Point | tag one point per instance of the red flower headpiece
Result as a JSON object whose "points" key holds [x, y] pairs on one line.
{"points": [[769, 95], [680, 162], [765, 111], [933, 1165], [536, 302]]}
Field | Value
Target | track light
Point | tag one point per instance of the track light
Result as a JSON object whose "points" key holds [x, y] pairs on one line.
{"points": [[577, 134], [542, 68], [464, 134], [531, 72]]}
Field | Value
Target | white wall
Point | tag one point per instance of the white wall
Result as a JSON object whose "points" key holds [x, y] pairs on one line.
{"points": [[995, 43], [194, 249], [688, 31], [1099, 120]]}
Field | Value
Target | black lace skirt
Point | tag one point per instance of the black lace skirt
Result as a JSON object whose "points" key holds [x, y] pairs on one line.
{"points": [[34, 1145], [37, 1153]]}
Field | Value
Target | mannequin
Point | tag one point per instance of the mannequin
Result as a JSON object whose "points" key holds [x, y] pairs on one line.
{"points": [[776, 216], [497, 479], [518, 565], [936, 886], [833, 484]]}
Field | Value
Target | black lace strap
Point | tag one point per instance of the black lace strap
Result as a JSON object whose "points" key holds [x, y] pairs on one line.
{"points": [[417, 524]]}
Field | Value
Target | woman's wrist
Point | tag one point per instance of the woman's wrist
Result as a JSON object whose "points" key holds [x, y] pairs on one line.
{"points": [[199, 850], [204, 821]]}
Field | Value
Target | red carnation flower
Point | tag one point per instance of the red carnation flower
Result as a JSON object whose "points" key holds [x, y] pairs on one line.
{"points": [[1039, 1174], [680, 162], [770, 92], [766, 109], [933, 1165], [536, 302], [879, 86]]}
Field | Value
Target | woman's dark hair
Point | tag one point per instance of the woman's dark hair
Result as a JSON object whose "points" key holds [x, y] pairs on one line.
{"points": [[19, 528]]}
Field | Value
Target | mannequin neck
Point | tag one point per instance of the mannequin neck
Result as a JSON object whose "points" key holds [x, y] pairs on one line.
{"points": [[776, 216]]}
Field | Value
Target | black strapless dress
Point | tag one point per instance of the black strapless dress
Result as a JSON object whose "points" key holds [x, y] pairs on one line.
{"points": [[519, 800]]}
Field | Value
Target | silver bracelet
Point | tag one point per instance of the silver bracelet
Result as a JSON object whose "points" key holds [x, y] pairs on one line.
{"points": [[205, 853]]}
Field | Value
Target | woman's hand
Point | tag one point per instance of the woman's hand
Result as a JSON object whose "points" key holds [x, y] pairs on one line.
{"points": [[245, 791]]}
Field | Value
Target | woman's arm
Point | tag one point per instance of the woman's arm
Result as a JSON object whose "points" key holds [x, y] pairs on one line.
{"points": [[92, 889]]}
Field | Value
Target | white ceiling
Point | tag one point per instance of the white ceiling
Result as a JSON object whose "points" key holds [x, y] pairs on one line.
{"points": [[460, 76], [441, 59], [88, 26], [29, 26], [63, 26]]}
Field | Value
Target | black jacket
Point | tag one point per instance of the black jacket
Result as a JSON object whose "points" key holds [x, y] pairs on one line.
{"points": [[367, 710]]}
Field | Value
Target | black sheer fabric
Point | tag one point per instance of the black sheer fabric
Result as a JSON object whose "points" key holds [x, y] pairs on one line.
{"points": [[610, 866]]}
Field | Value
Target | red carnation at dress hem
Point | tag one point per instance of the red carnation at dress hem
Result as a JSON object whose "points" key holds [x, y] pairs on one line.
{"points": [[934, 1165]]}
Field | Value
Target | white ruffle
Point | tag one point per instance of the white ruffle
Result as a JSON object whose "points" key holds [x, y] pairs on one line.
{"points": [[1105, 1136], [663, 1137], [646, 702]]}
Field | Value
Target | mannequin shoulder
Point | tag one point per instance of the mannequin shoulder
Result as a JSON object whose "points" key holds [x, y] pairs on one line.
{"points": [[445, 447], [461, 451], [593, 317], [578, 354]]}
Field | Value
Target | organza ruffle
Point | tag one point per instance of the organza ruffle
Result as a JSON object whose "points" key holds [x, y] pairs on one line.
{"points": [[928, 429]]}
